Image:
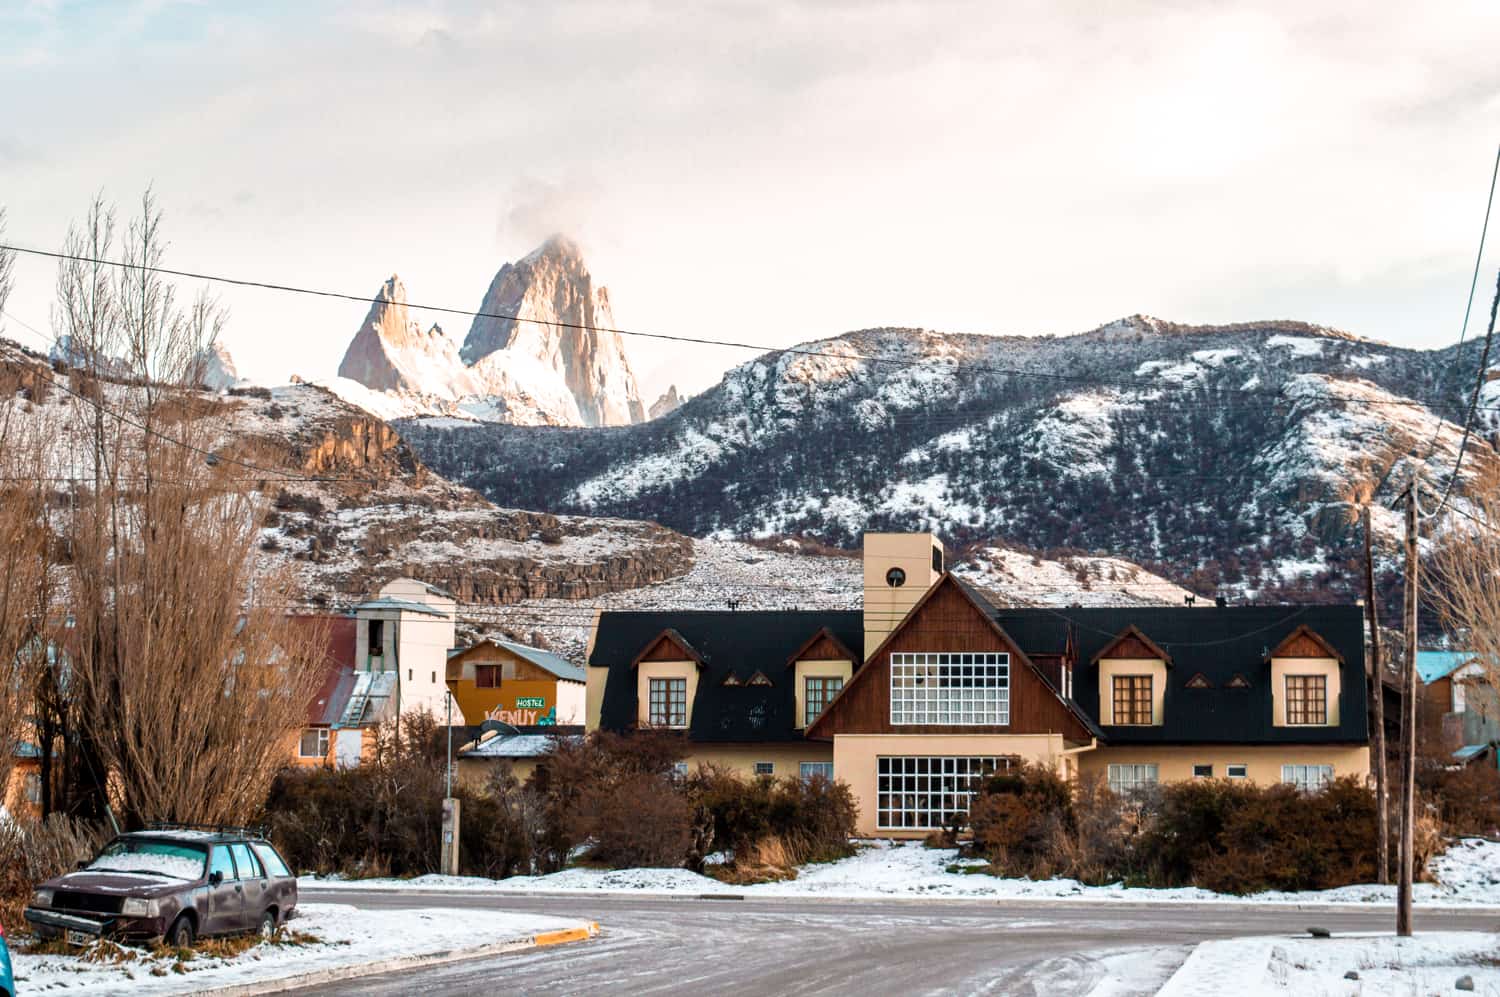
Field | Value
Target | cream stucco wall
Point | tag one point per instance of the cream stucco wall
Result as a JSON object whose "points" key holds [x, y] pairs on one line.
{"points": [[886, 605], [648, 670], [817, 668], [785, 758], [856, 760], [1282, 667], [1263, 762], [598, 679], [1110, 667]]}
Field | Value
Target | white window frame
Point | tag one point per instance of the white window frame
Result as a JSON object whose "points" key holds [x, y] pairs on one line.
{"points": [[810, 770], [920, 792], [1242, 773], [1127, 777], [953, 689], [669, 687], [1460, 698], [324, 740], [1309, 778], [765, 768], [1203, 765]]}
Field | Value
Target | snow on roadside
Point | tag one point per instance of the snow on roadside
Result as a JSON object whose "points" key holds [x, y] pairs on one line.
{"points": [[1427, 963], [346, 937], [890, 870]]}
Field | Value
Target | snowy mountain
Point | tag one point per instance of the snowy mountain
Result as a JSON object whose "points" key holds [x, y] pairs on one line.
{"points": [[553, 361], [1223, 457], [216, 368], [545, 306]]}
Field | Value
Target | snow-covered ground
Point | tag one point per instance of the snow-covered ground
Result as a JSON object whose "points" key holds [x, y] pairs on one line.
{"points": [[346, 937], [1427, 963], [1468, 875]]}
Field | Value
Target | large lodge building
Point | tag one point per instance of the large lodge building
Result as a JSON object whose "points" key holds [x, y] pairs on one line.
{"points": [[932, 684]]}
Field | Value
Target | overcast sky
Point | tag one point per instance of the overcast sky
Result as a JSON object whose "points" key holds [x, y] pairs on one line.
{"points": [[774, 171]]}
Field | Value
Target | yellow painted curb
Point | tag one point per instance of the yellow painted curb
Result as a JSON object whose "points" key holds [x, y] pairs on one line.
{"points": [[566, 935]]}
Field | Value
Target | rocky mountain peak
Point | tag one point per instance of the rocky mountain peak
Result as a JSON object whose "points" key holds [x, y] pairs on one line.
{"points": [[669, 402], [214, 367], [390, 352], [546, 306]]}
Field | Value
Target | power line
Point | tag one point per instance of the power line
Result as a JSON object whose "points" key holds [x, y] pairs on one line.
{"points": [[1479, 380], [665, 337]]}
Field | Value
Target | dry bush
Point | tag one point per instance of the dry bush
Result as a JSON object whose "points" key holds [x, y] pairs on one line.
{"points": [[640, 820], [789, 820], [1467, 799], [32, 851], [1019, 817]]}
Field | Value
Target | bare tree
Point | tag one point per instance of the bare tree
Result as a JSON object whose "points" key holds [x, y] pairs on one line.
{"points": [[1466, 579], [190, 678]]}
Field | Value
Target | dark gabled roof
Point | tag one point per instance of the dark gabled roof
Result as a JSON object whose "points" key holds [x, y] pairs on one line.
{"points": [[1219, 643], [730, 643]]}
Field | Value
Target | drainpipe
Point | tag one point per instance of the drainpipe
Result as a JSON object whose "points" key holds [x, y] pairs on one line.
{"points": [[1093, 743]]}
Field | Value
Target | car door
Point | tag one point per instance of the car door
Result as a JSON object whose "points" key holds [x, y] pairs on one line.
{"points": [[256, 885], [226, 898]]}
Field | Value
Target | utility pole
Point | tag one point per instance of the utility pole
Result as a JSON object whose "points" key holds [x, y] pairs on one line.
{"points": [[452, 812], [1408, 722], [1377, 677]]}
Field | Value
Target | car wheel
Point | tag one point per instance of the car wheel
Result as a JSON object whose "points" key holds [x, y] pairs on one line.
{"points": [[180, 934], [268, 924]]}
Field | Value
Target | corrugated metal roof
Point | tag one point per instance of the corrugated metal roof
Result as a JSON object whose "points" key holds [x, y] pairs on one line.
{"points": [[512, 746], [1434, 665], [554, 663], [400, 605]]}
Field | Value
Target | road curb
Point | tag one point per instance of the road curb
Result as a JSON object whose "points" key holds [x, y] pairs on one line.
{"points": [[353, 972]]}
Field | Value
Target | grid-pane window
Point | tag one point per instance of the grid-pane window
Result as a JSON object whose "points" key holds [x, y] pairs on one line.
{"points": [[668, 705], [1307, 699], [1132, 699], [818, 693], [814, 770], [1309, 777], [928, 791], [314, 743], [959, 688], [765, 768], [1128, 778]]}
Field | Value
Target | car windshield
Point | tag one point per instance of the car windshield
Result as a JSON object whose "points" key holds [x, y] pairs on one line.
{"points": [[153, 858]]}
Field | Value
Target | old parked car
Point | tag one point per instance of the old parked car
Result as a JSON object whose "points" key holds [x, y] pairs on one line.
{"points": [[171, 882]]}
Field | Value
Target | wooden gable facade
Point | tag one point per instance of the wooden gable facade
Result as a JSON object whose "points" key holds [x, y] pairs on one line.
{"points": [[1133, 645], [823, 646], [1305, 642], [947, 619], [669, 645]]}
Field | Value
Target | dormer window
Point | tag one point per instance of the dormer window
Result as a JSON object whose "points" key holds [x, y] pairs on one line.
{"points": [[1132, 700], [1307, 700], [668, 703]]}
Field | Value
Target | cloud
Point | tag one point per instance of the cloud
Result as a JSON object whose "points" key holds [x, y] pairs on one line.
{"points": [[534, 209]]}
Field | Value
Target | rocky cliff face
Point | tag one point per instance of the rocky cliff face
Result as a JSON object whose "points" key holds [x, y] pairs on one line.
{"points": [[669, 402], [215, 368], [556, 315], [390, 352]]}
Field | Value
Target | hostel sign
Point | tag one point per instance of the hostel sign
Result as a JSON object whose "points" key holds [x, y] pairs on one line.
{"points": [[526, 713]]}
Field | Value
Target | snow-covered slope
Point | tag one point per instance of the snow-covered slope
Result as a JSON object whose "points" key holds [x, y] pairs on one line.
{"points": [[1222, 457]]}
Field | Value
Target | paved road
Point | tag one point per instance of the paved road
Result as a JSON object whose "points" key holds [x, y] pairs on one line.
{"points": [[865, 948]]}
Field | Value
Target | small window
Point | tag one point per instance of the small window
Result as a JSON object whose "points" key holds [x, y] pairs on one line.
{"points": [[895, 578], [667, 705], [220, 862], [377, 638], [817, 694], [1132, 700], [34, 788], [679, 770], [314, 743], [271, 859], [1307, 700], [1203, 771], [487, 676], [816, 770], [247, 864], [408, 675], [1128, 778], [1307, 777], [764, 768], [937, 560], [1237, 771], [433, 680]]}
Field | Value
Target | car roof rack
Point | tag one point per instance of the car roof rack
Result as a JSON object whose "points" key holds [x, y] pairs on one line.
{"points": [[228, 830]]}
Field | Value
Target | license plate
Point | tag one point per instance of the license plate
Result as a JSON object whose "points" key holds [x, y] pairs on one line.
{"points": [[74, 937]]}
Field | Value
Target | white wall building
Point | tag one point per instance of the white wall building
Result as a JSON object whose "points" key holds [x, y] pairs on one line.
{"points": [[403, 637]]}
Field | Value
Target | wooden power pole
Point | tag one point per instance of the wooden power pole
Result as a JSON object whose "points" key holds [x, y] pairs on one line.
{"points": [[1377, 684], [1408, 723]]}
